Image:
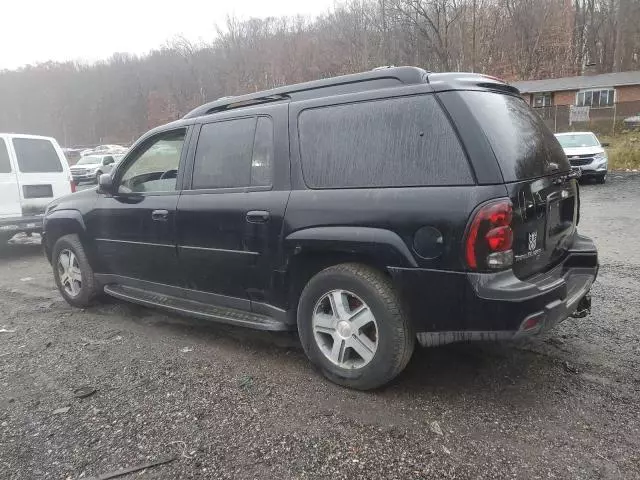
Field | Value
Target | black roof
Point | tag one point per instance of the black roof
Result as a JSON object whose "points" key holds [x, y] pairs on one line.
{"points": [[376, 77], [383, 77]]}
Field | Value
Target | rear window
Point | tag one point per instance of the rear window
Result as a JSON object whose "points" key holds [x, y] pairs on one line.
{"points": [[5, 164], [395, 142], [522, 143], [36, 155]]}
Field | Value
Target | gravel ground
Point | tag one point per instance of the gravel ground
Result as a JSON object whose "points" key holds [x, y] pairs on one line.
{"points": [[232, 403]]}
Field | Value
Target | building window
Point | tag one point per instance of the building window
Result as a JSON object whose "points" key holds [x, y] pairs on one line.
{"points": [[595, 98], [544, 99]]}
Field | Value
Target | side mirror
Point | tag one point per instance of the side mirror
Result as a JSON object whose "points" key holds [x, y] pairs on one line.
{"points": [[105, 184], [605, 144]]}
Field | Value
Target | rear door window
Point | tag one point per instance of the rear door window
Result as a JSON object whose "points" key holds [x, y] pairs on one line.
{"points": [[5, 164], [396, 142], [524, 147], [36, 155], [234, 153]]}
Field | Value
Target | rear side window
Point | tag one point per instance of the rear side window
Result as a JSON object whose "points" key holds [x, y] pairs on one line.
{"points": [[524, 146], [36, 155], [5, 164], [234, 153], [395, 142]]}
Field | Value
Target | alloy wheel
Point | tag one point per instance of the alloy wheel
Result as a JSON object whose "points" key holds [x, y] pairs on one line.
{"points": [[345, 329], [69, 273]]}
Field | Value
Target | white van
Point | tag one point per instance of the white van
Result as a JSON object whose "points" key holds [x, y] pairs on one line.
{"points": [[33, 171]]}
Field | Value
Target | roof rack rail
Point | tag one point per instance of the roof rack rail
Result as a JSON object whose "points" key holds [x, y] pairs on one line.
{"points": [[406, 75]]}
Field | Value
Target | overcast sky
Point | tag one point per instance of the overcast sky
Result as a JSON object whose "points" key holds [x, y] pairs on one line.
{"points": [[88, 30]]}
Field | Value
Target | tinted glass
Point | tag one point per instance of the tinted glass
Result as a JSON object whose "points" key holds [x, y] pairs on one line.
{"points": [[5, 164], [578, 140], [386, 143], [223, 154], [262, 160], [155, 169], [522, 143], [36, 155]]}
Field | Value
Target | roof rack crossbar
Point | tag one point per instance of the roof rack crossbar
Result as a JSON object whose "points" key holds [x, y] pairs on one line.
{"points": [[245, 103]]}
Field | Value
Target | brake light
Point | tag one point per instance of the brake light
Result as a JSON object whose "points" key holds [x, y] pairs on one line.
{"points": [[490, 237], [73, 186]]}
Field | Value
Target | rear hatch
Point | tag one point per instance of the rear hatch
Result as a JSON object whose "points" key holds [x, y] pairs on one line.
{"points": [[535, 170], [42, 175]]}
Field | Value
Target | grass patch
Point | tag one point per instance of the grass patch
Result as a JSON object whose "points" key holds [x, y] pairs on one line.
{"points": [[623, 150]]}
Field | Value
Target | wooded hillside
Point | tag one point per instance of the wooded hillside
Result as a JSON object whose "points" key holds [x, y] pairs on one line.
{"points": [[118, 99]]}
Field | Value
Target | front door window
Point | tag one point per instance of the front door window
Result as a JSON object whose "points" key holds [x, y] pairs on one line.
{"points": [[155, 168]]}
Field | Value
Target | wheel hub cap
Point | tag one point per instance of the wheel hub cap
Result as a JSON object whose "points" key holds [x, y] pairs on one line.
{"points": [[344, 329]]}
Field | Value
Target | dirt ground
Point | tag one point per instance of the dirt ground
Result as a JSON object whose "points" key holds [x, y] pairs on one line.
{"points": [[232, 403]]}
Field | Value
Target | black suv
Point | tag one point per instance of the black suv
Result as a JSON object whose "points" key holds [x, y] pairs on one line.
{"points": [[364, 211]]}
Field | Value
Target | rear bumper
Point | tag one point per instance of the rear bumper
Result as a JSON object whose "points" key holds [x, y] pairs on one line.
{"points": [[27, 224], [456, 306]]}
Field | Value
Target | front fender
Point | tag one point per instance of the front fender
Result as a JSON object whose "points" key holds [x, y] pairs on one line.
{"points": [[384, 245], [59, 223]]}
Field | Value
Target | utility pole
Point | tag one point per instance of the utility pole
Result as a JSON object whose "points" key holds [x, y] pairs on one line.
{"points": [[473, 38]]}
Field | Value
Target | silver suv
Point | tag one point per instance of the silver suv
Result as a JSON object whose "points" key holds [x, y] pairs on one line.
{"points": [[584, 151]]}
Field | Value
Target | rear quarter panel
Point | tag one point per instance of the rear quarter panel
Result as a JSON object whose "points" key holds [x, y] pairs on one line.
{"points": [[402, 211]]}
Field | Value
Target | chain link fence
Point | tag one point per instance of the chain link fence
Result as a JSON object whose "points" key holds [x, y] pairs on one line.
{"points": [[602, 121]]}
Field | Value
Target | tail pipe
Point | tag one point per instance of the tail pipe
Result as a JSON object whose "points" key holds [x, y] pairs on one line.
{"points": [[584, 307]]}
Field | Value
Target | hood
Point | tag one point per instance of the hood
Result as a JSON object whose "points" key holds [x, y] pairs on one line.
{"points": [[80, 200], [570, 152], [86, 166]]}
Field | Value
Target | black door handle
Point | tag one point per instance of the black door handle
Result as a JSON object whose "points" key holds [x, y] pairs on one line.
{"points": [[257, 216], [160, 215]]}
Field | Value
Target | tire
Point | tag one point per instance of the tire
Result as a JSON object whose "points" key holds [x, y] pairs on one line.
{"points": [[360, 286], [4, 240], [601, 179], [87, 288]]}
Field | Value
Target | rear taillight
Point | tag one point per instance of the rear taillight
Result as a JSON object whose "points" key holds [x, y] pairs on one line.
{"points": [[73, 186], [490, 237]]}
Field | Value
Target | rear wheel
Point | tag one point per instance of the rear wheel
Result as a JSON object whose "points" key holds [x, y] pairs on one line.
{"points": [[352, 326], [72, 272]]}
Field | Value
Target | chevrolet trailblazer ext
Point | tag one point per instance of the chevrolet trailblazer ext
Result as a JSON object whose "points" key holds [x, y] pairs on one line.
{"points": [[365, 211]]}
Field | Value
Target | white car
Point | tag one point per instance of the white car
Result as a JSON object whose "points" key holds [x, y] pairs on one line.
{"points": [[33, 171], [584, 151], [89, 168]]}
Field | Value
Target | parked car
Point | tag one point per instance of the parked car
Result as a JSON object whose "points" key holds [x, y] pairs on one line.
{"points": [[585, 152], [632, 122], [33, 171], [103, 149], [362, 211], [90, 167]]}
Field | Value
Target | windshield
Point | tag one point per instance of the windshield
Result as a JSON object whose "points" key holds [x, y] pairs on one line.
{"points": [[89, 159], [578, 140]]}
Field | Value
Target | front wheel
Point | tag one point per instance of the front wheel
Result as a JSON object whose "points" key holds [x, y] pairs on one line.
{"points": [[72, 272], [352, 326], [601, 179]]}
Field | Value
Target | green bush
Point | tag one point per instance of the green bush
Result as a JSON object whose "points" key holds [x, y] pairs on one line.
{"points": [[623, 150]]}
